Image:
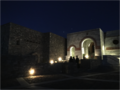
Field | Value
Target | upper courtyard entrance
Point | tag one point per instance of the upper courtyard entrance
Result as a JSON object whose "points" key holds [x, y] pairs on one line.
{"points": [[88, 48]]}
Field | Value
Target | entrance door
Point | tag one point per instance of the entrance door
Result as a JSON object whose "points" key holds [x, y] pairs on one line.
{"points": [[91, 50]]}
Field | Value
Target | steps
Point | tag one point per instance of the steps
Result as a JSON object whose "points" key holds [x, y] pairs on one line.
{"points": [[110, 60]]}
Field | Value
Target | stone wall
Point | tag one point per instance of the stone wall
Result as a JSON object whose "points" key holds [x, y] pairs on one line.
{"points": [[111, 60], [18, 40], [5, 38], [90, 64], [24, 41], [57, 47], [102, 43], [13, 66], [110, 47], [76, 38]]}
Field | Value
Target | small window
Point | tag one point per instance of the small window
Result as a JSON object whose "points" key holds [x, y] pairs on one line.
{"points": [[18, 42], [115, 42]]}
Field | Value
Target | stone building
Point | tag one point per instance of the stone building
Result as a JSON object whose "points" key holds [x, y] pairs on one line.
{"points": [[93, 44], [21, 41]]}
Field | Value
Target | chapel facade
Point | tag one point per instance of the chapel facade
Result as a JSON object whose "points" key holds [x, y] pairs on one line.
{"points": [[93, 44]]}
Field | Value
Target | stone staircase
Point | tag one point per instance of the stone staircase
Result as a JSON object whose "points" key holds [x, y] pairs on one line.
{"points": [[110, 60]]}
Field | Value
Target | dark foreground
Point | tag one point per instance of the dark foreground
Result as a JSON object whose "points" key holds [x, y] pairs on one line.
{"points": [[82, 81]]}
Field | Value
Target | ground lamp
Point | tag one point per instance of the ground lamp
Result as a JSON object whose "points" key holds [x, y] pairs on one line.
{"points": [[51, 62], [87, 56], [31, 71], [60, 59]]}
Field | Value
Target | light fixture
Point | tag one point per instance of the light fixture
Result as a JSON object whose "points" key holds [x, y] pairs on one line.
{"points": [[87, 56], [59, 58], [55, 61], [31, 71], [51, 61]]}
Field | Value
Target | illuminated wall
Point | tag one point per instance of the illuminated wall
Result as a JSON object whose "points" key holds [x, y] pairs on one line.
{"points": [[72, 51], [112, 43], [102, 43], [76, 39]]}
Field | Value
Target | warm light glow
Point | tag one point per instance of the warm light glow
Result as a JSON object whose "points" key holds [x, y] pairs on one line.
{"points": [[83, 50], [103, 47], [96, 54], [89, 45], [55, 61], [119, 58], [59, 58], [51, 61], [103, 50], [31, 71], [86, 56]]}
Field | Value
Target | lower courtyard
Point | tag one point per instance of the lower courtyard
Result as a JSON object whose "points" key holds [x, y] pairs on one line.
{"points": [[81, 80]]}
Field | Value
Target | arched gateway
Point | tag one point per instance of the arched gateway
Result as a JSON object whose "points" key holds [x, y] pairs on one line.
{"points": [[88, 48], [87, 44]]}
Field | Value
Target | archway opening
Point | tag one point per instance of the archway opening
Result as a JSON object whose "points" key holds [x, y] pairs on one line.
{"points": [[72, 51], [88, 49]]}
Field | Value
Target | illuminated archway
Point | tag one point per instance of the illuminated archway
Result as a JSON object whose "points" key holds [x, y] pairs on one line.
{"points": [[72, 51], [88, 48]]}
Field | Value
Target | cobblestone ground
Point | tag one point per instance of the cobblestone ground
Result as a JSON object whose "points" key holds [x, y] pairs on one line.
{"points": [[72, 81], [43, 78], [81, 84], [88, 84]]}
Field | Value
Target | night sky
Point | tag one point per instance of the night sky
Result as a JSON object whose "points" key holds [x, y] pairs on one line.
{"points": [[62, 17]]}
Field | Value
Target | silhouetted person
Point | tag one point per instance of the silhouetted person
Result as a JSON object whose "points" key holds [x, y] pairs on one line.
{"points": [[77, 59], [73, 60], [70, 60]]}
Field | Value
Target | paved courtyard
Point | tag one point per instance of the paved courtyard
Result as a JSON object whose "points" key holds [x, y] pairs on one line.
{"points": [[109, 80]]}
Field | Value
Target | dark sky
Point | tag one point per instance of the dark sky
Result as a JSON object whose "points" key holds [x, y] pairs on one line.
{"points": [[62, 17]]}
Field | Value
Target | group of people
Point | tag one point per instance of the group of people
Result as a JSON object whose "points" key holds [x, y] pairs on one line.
{"points": [[72, 59]]}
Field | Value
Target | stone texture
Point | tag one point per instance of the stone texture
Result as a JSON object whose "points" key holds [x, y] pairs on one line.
{"points": [[102, 43], [111, 60], [57, 47], [76, 38], [21, 41], [90, 64]]}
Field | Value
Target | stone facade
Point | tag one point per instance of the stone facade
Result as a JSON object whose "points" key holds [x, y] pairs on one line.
{"points": [[21, 41], [103, 42], [55, 43], [76, 39], [110, 47]]}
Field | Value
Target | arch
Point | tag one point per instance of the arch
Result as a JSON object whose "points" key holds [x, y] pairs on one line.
{"points": [[71, 46], [87, 49], [72, 51], [96, 47]]}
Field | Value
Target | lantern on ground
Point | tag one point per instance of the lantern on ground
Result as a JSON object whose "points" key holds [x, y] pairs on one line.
{"points": [[60, 59], [31, 71], [51, 61], [87, 56]]}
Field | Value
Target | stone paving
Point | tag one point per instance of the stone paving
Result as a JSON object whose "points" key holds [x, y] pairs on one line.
{"points": [[109, 80]]}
